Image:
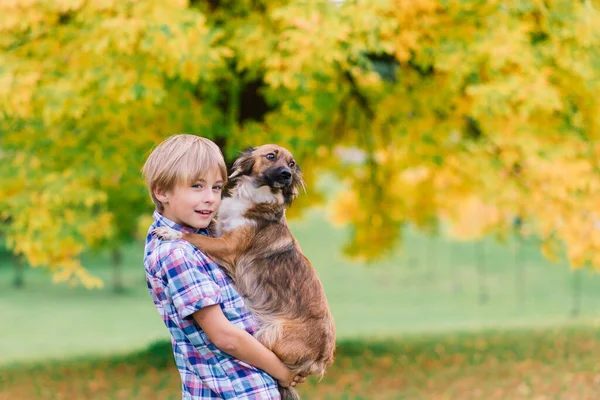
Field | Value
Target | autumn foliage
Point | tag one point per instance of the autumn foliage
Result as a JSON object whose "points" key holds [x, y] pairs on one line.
{"points": [[472, 113]]}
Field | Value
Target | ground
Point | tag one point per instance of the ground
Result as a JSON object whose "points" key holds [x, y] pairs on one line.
{"points": [[491, 365]]}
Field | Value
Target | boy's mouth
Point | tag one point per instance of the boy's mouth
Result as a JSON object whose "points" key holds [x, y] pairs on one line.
{"points": [[203, 212]]}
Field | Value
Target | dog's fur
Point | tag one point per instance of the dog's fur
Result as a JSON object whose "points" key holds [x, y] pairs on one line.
{"points": [[257, 249]]}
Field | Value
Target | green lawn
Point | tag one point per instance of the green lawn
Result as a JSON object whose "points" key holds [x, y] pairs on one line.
{"points": [[432, 285], [512, 365]]}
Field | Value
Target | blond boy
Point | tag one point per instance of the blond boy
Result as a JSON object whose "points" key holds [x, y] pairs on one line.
{"points": [[211, 328]]}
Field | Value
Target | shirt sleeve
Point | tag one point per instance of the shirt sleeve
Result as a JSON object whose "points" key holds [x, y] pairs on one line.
{"points": [[189, 285]]}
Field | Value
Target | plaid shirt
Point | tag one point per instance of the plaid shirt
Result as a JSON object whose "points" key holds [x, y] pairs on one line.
{"points": [[181, 281]]}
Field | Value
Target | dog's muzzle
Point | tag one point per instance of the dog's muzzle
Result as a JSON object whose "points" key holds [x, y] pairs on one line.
{"points": [[280, 177]]}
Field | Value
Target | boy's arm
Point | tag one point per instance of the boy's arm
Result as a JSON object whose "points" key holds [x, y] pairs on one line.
{"points": [[193, 293], [242, 345]]}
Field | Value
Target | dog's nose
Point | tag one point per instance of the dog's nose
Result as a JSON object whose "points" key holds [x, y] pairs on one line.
{"points": [[285, 173]]}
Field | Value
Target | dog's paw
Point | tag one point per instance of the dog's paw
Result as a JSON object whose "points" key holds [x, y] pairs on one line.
{"points": [[167, 233]]}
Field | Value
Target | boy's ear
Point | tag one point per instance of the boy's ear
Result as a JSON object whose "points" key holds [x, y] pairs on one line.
{"points": [[161, 195], [244, 164]]}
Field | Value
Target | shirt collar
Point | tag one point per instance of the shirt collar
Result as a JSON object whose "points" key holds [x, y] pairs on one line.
{"points": [[161, 220]]}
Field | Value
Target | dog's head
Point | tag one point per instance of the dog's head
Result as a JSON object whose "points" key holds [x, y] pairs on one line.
{"points": [[273, 166]]}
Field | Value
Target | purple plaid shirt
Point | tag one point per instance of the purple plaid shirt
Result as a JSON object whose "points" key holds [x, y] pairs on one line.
{"points": [[182, 280]]}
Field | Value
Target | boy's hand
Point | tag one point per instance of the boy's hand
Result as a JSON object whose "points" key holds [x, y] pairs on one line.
{"points": [[292, 380], [298, 379]]}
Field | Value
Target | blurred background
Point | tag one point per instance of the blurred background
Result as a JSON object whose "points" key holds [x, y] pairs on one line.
{"points": [[450, 150]]}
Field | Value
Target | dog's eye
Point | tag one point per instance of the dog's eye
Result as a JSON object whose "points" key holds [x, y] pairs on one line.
{"points": [[292, 164], [270, 156]]}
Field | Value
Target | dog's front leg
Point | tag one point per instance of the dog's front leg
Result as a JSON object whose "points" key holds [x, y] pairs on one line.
{"points": [[223, 250]]}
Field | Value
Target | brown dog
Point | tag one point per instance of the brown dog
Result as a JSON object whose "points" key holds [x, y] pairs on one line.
{"points": [[256, 247]]}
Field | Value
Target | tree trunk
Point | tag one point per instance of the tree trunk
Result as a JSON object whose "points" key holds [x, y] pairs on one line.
{"points": [[519, 269], [576, 294], [457, 286], [19, 269], [481, 270], [117, 265], [431, 259]]}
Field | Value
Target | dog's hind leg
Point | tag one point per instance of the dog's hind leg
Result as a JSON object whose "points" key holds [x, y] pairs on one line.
{"points": [[269, 333], [293, 347]]}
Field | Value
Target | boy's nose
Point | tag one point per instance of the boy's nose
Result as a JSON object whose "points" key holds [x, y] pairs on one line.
{"points": [[210, 197]]}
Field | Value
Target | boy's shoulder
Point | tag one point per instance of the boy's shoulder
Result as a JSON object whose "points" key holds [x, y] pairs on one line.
{"points": [[160, 253], [165, 249]]}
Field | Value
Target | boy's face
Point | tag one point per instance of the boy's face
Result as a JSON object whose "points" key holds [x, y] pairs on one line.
{"points": [[196, 204]]}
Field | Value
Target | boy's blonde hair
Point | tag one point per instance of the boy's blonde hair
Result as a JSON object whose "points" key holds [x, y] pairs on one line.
{"points": [[181, 159]]}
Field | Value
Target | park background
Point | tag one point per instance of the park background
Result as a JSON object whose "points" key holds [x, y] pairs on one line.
{"points": [[450, 150]]}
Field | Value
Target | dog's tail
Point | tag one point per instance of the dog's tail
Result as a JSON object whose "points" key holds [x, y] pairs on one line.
{"points": [[288, 393]]}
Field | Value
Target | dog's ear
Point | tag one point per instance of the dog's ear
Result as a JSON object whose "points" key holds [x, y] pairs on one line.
{"points": [[291, 192], [244, 164]]}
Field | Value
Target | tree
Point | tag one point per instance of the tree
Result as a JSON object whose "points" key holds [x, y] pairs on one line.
{"points": [[419, 107]]}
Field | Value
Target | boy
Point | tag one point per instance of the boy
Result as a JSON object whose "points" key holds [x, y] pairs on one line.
{"points": [[210, 326]]}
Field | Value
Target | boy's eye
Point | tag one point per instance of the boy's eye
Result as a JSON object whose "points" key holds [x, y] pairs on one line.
{"points": [[197, 186], [218, 187], [270, 156]]}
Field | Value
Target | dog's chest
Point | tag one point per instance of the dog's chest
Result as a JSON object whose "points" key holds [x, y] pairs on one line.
{"points": [[233, 209], [231, 214]]}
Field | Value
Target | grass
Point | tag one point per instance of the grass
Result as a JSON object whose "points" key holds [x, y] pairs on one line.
{"points": [[538, 364], [433, 285]]}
